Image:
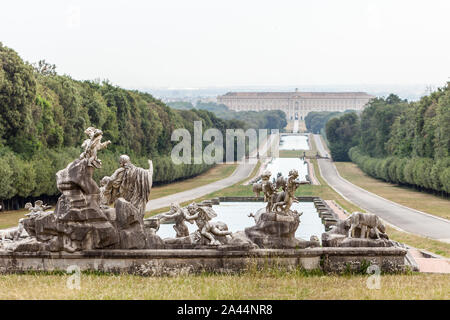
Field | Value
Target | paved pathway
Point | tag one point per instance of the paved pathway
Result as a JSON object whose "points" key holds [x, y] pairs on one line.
{"points": [[405, 218], [243, 171]]}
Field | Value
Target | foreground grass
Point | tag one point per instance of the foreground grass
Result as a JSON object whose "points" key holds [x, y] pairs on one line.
{"points": [[251, 285], [421, 201]]}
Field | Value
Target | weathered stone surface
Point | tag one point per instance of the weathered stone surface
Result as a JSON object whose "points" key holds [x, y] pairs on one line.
{"points": [[25, 245], [80, 221], [130, 223], [77, 176], [173, 262], [274, 230], [154, 242], [358, 230]]}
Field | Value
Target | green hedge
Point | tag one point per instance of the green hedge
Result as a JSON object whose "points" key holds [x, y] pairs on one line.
{"points": [[419, 172]]}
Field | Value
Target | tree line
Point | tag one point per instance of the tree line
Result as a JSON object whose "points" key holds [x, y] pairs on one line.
{"points": [[398, 141], [43, 116], [267, 119]]}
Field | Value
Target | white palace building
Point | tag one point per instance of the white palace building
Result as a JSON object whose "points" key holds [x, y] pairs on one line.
{"points": [[295, 104]]}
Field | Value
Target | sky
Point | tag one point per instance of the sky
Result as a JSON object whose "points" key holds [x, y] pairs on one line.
{"points": [[205, 43]]}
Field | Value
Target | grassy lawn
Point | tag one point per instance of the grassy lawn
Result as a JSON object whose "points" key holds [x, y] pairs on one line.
{"points": [[11, 218], [422, 201], [416, 241], [249, 285]]}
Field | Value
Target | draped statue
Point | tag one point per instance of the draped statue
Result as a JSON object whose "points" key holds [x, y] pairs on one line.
{"points": [[129, 182]]}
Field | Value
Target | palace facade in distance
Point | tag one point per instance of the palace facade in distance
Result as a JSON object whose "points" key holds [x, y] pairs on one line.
{"points": [[295, 104]]}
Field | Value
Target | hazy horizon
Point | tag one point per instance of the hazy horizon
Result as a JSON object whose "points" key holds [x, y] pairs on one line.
{"points": [[205, 44]]}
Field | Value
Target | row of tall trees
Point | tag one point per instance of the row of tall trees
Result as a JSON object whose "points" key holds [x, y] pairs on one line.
{"points": [[43, 116], [399, 141], [315, 121], [267, 119], [342, 133]]}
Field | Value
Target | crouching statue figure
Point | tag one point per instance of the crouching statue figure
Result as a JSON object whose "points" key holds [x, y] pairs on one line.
{"points": [[207, 229], [358, 230]]}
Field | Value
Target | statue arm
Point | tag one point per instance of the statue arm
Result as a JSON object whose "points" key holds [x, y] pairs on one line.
{"points": [[191, 217], [116, 178], [169, 214], [104, 145], [218, 232]]}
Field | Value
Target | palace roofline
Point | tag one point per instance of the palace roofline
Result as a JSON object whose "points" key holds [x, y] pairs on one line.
{"points": [[313, 95]]}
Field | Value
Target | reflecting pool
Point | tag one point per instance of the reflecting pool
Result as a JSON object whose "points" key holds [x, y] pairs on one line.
{"points": [[284, 165], [235, 215], [294, 143]]}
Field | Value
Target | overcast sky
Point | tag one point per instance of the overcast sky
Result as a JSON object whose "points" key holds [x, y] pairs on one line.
{"points": [[193, 43]]}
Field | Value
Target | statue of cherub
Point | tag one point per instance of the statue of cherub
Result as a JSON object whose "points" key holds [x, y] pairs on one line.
{"points": [[38, 208], [268, 188], [202, 217], [92, 146], [179, 215], [283, 200]]}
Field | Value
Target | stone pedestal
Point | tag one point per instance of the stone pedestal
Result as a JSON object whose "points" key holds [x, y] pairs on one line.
{"points": [[277, 231]]}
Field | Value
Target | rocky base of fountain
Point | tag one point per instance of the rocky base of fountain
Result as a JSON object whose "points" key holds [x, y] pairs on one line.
{"points": [[277, 231]]}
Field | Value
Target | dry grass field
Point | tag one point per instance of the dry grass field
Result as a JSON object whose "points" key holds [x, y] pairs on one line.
{"points": [[250, 285]]}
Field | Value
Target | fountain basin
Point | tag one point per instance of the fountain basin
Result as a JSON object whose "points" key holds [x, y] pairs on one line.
{"points": [[182, 261]]}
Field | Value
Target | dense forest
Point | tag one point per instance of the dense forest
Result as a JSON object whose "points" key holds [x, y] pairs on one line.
{"points": [[268, 119], [43, 116], [398, 141]]}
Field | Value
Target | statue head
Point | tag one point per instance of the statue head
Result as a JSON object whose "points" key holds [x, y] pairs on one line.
{"points": [[192, 208], [90, 132], [124, 160], [174, 207], [28, 206], [266, 175], [293, 173], [97, 132]]}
